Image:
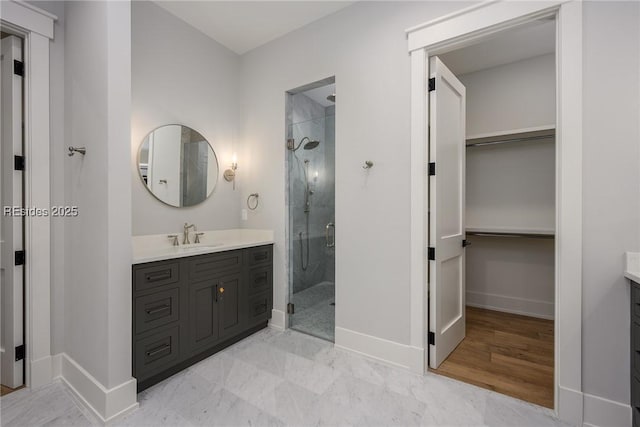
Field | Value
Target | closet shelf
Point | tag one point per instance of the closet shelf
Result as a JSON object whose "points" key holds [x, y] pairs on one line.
{"points": [[539, 233], [519, 135]]}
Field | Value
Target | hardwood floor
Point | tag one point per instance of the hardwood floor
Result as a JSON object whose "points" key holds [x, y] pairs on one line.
{"points": [[6, 390], [507, 353]]}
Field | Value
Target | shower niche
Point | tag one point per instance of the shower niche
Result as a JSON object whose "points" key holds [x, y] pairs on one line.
{"points": [[310, 158]]}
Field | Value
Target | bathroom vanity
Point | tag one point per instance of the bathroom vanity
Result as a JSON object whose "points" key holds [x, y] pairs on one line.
{"points": [[632, 272], [192, 301]]}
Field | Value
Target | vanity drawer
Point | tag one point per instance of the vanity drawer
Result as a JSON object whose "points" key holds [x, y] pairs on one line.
{"points": [[259, 255], [205, 266], [635, 392], [156, 352], [157, 309], [259, 308], [260, 279], [635, 299], [156, 275]]}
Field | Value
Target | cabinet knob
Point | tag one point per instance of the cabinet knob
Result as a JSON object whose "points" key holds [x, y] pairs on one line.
{"points": [[222, 290]]}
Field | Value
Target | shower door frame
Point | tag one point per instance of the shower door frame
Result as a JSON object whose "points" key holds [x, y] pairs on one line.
{"points": [[288, 229]]}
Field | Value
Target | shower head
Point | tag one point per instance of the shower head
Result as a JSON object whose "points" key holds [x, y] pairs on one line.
{"points": [[332, 97], [310, 145]]}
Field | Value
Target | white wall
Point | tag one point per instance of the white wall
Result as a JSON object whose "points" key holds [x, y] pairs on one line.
{"points": [[611, 182], [511, 186], [491, 103], [364, 46], [97, 297], [181, 76]]}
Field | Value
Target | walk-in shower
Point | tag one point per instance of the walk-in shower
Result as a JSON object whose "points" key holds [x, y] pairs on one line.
{"points": [[311, 207]]}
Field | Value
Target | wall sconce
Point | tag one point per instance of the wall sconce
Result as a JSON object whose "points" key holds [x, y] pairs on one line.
{"points": [[230, 174]]}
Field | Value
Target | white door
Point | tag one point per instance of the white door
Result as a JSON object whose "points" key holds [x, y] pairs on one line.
{"points": [[165, 158], [11, 226], [446, 213]]}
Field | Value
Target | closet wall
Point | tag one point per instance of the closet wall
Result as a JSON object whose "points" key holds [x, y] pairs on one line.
{"points": [[511, 187]]}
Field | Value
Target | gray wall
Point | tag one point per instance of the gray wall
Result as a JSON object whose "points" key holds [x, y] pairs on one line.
{"points": [[97, 295], [364, 46], [611, 182], [179, 75]]}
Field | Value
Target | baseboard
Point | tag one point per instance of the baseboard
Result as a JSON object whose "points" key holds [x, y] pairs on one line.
{"points": [[277, 320], [417, 362], [523, 306], [570, 405], [41, 372], [390, 352], [107, 405], [56, 364], [601, 412]]}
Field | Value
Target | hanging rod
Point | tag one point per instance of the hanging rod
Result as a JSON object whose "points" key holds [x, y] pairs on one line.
{"points": [[510, 234], [504, 141]]}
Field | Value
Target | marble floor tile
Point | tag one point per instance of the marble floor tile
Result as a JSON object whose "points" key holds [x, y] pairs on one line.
{"points": [[275, 378], [48, 405], [311, 375]]}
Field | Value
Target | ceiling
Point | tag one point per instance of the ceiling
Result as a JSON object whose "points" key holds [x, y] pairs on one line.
{"points": [[244, 25], [537, 38]]}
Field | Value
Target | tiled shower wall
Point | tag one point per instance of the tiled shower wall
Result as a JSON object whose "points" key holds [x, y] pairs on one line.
{"points": [[308, 118]]}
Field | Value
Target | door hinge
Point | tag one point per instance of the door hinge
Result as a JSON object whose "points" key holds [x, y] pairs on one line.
{"points": [[18, 68], [432, 84], [431, 254], [290, 308], [18, 163], [432, 338], [20, 352], [432, 169], [20, 257], [466, 243]]}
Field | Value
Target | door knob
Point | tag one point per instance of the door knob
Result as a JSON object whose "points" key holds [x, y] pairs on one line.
{"points": [[222, 290]]}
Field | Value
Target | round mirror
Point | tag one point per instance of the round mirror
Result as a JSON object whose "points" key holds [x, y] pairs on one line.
{"points": [[178, 165]]}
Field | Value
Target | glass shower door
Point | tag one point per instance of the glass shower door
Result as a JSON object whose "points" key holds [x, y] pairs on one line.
{"points": [[311, 203]]}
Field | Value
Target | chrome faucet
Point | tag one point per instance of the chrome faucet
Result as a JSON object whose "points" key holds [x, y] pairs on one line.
{"points": [[187, 226]]}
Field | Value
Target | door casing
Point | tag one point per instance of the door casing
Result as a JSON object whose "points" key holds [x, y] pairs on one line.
{"points": [[35, 26], [452, 32]]}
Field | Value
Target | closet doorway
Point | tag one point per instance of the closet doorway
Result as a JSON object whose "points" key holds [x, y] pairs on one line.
{"points": [[492, 186]]}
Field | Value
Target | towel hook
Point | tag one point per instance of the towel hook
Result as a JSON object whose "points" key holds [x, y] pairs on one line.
{"points": [[74, 150]]}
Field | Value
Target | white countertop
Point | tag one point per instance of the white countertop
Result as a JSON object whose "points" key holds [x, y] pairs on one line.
{"points": [[632, 266], [158, 247]]}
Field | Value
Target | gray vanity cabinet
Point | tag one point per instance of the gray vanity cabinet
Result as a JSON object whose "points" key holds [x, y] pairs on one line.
{"points": [[635, 353], [189, 308]]}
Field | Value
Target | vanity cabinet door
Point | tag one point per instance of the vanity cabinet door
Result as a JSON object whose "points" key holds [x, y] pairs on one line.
{"points": [[203, 315], [230, 306]]}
